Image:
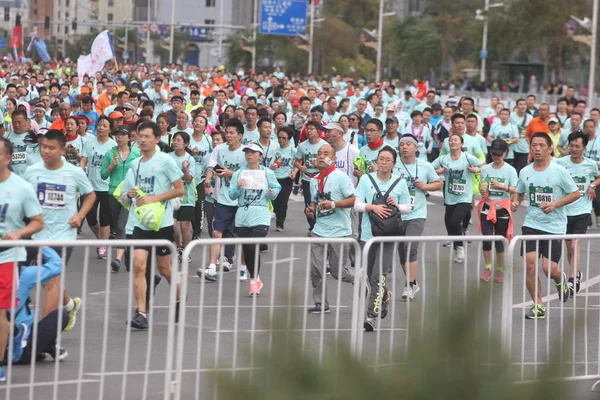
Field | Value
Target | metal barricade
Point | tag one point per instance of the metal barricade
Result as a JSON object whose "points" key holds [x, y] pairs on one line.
{"points": [[444, 285], [106, 360], [567, 339], [224, 330]]}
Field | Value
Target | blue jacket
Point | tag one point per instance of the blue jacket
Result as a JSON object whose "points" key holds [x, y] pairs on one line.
{"points": [[52, 265]]}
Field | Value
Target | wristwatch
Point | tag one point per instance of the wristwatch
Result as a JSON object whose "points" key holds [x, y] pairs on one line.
{"points": [[593, 186], [333, 205]]}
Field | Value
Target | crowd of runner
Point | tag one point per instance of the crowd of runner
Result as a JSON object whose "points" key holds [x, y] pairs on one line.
{"points": [[178, 154]]}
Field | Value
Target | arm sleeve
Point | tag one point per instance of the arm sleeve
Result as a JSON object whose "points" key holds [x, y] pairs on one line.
{"points": [[360, 205]]}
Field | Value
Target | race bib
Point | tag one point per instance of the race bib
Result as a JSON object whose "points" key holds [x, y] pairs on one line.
{"points": [[522, 131], [323, 213], [539, 195], [494, 190], [412, 198], [581, 183], [457, 186], [52, 196], [19, 158]]}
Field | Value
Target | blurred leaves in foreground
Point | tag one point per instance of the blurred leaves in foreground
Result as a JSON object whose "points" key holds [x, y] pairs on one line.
{"points": [[458, 360]]}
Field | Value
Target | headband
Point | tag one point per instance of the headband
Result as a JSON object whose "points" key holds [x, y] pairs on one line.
{"points": [[408, 139]]}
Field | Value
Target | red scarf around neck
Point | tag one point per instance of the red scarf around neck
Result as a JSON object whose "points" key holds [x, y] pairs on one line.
{"points": [[375, 145], [71, 138], [322, 175]]}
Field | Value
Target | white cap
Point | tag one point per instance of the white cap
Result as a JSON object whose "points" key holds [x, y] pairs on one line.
{"points": [[254, 147], [553, 119]]}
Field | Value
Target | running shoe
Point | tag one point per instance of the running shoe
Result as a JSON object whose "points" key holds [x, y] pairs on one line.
{"points": [[243, 273], [499, 277], [536, 312], [2, 374], [62, 353], [210, 274], [597, 222], [73, 314], [447, 244], [264, 247], [115, 265], [459, 255], [318, 310], [102, 252], [255, 287], [486, 275], [384, 306], [563, 289], [226, 265], [369, 324], [410, 290], [139, 321], [295, 189], [578, 279], [279, 228]]}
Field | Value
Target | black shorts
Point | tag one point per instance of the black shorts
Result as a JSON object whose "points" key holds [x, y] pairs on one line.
{"points": [[166, 233], [224, 218], [578, 224], [544, 249], [185, 213]]}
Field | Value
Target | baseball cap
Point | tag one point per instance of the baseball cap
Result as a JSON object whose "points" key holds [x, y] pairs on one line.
{"points": [[393, 119], [254, 147], [295, 102], [42, 131], [116, 115], [498, 146], [333, 126], [553, 119], [122, 130], [390, 107]]}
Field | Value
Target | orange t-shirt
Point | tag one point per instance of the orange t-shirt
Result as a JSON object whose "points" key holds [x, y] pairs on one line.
{"points": [[536, 125], [103, 102], [222, 82], [58, 124]]}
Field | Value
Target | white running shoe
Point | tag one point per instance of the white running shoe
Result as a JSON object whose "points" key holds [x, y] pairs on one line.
{"points": [[243, 273], [459, 254]]}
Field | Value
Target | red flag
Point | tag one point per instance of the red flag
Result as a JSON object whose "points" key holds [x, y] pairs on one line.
{"points": [[423, 88], [17, 37]]}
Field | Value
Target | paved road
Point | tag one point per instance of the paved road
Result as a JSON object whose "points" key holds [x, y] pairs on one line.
{"points": [[228, 331]]}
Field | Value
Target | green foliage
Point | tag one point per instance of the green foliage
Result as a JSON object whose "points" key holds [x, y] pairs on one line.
{"points": [[161, 45], [455, 359]]}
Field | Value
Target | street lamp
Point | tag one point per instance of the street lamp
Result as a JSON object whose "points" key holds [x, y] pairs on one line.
{"points": [[590, 40], [483, 16], [378, 36]]}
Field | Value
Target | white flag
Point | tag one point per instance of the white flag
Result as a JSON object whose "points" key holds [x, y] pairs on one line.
{"points": [[84, 66], [101, 51]]}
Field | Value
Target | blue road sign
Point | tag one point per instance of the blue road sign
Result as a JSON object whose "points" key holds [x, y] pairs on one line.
{"points": [[283, 17], [3, 44], [198, 34]]}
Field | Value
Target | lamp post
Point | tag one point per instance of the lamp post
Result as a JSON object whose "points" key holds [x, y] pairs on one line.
{"points": [[378, 36], [590, 40], [483, 16]]}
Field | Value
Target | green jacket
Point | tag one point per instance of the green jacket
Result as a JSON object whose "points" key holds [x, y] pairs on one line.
{"points": [[118, 173]]}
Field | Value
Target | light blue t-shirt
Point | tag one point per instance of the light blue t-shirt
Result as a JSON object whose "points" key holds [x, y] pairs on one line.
{"points": [[470, 145], [287, 162], [204, 147], [459, 184], [332, 223], [423, 135], [189, 198], [506, 132], [506, 175], [250, 136], [154, 176], [331, 118], [366, 192], [156, 98], [521, 123], [19, 201], [21, 152], [583, 175], [79, 144], [307, 152], [271, 152], [371, 155], [57, 194], [409, 172], [232, 160], [592, 150], [253, 204], [94, 151], [545, 186]]}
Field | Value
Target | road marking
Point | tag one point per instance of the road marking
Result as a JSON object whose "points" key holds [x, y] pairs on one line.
{"points": [[97, 293], [297, 330], [584, 285], [283, 260], [250, 306], [49, 383]]}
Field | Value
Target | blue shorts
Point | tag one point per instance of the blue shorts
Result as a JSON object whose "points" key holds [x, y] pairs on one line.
{"points": [[224, 218]]}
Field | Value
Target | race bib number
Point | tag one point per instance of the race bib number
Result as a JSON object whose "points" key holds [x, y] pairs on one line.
{"points": [[457, 186], [412, 198], [539, 195], [522, 131], [19, 158], [581, 183], [52, 196], [494, 190], [323, 213]]}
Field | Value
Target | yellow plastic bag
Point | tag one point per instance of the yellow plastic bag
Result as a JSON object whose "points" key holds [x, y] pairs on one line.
{"points": [[117, 195], [150, 215]]}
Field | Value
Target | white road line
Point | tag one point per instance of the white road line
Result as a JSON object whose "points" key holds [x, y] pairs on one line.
{"points": [[584, 285], [283, 260], [162, 371], [250, 306], [49, 383], [297, 330]]}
